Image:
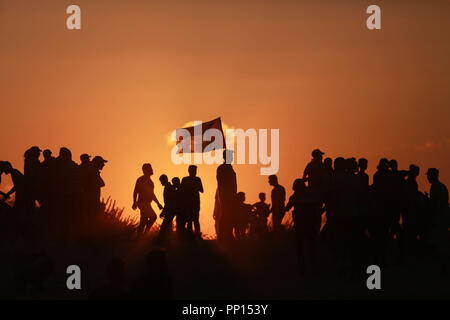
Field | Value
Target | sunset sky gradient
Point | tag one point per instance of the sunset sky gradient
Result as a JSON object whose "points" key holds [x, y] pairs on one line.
{"points": [[139, 69]]}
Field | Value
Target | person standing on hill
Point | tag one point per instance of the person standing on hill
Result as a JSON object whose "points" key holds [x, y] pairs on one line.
{"points": [[244, 211], [261, 213], [307, 220], [179, 209], [226, 196], [143, 196], [314, 171], [440, 218], [168, 211], [192, 186], [96, 182], [278, 203], [18, 188], [32, 174]]}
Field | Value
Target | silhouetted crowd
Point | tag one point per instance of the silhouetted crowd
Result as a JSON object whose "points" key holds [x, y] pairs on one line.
{"points": [[67, 193], [361, 219], [181, 201]]}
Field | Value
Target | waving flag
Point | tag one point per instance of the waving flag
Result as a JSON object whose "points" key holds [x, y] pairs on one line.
{"points": [[200, 137]]}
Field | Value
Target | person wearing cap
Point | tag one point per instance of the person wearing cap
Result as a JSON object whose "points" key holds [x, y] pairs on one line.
{"points": [[313, 171], [98, 163], [47, 153], [93, 184]]}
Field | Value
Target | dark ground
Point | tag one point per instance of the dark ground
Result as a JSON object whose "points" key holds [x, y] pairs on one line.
{"points": [[204, 269]]}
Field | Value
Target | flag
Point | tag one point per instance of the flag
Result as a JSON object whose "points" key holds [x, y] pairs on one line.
{"points": [[196, 132]]}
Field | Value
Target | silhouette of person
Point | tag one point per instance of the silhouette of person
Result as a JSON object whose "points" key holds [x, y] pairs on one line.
{"points": [[19, 188], [326, 183], [307, 221], [244, 211], [261, 213], [382, 193], [318, 176], [331, 198], [362, 175], [328, 166], [143, 196], [192, 186], [414, 207], [327, 174], [226, 190], [351, 231], [179, 207], [31, 172], [397, 198], [47, 186], [440, 217], [168, 212], [278, 209], [313, 170], [67, 195], [96, 182], [363, 199], [26, 226], [85, 160], [87, 180], [47, 153], [91, 184]]}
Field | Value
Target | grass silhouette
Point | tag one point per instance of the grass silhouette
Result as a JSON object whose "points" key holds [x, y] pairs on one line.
{"points": [[253, 268]]}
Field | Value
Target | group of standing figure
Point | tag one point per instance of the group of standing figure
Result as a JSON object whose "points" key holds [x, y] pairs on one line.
{"points": [[67, 193], [235, 219], [181, 202], [361, 219]]}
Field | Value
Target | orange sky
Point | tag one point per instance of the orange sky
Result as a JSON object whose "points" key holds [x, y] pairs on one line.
{"points": [[139, 69]]}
